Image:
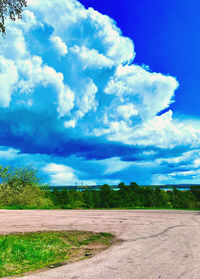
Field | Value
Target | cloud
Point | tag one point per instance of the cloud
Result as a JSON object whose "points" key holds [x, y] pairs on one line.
{"points": [[87, 101], [160, 131], [8, 80], [70, 124], [126, 111], [72, 169], [8, 154], [91, 58], [59, 45], [63, 175], [97, 31], [114, 165], [151, 92], [69, 86], [14, 45], [35, 74], [180, 168], [60, 174]]}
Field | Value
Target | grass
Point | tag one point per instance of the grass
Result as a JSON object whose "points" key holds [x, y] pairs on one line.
{"points": [[83, 208], [20, 253]]}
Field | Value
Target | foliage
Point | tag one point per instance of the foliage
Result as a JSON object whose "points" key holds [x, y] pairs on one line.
{"points": [[195, 191], [20, 187], [18, 177], [12, 9], [132, 196]]}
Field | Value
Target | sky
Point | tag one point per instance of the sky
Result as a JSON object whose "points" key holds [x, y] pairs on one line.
{"points": [[102, 92]]}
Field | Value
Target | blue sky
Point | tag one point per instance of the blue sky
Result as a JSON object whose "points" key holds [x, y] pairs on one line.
{"points": [[102, 92], [166, 38]]}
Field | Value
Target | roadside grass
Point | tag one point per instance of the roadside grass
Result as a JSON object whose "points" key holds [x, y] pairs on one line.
{"points": [[20, 253], [16, 207]]}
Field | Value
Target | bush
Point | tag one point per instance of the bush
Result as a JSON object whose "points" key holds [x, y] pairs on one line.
{"points": [[20, 187]]}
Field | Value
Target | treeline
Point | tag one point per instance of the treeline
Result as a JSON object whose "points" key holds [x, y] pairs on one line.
{"points": [[132, 196], [20, 188]]}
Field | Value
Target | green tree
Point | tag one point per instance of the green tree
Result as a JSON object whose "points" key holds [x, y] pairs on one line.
{"points": [[148, 197], [12, 9], [124, 194], [88, 199], [195, 189], [20, 187], [161, 198], [134, 186], [18, 177], [96, 199], [182, 199], [105, 196]]}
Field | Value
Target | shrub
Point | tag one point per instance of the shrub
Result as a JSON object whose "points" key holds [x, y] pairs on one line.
{"points": [[20, 187]]}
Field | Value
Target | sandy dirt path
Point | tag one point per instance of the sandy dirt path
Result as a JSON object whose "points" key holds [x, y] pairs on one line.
{"points": [[157, 244]]}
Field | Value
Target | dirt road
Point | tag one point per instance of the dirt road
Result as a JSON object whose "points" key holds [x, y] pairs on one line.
{"points": [[157, 244]]}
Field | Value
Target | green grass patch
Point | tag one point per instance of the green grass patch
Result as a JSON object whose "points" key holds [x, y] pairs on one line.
{"points": [[20, 253]]}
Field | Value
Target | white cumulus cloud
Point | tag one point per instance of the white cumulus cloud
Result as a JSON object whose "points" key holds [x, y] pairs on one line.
{"points": [[8, 80], [91, 58], [75, 65], [126, 111], [59, 45], [63, 175], [150, 92], [161, 131]]}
